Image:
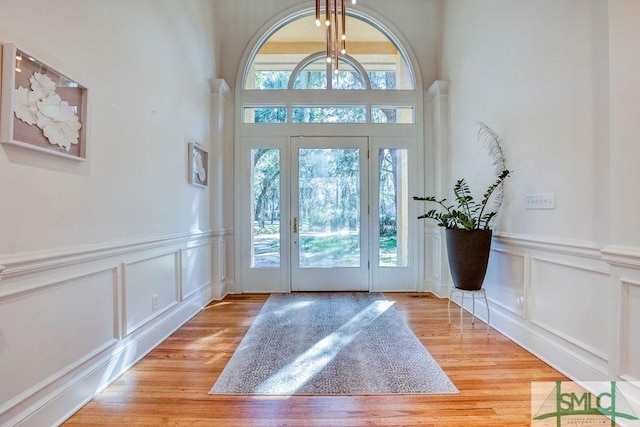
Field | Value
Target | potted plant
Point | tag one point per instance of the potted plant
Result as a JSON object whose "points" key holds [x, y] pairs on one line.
{"points": [[468, 222]]}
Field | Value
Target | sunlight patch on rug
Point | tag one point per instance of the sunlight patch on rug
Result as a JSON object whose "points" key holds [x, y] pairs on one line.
{"points": [[330, 344]]}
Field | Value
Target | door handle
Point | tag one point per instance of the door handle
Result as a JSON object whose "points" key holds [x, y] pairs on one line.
{"points": [[295, 224]]}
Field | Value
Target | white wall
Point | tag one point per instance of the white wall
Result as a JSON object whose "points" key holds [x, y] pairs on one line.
{"points": [[147, 66], [623, 251], [536, 73], [557, 79], [87, 246], [625, 126]]}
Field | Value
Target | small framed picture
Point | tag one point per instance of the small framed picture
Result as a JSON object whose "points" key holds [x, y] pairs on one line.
{"points": [[42, 109], [198, 165]]}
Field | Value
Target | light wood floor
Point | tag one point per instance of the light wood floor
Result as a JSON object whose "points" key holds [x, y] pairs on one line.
{"points": [[170, 386]]}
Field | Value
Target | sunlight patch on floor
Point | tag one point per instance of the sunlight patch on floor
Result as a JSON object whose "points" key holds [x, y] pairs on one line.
{"points": [[217, 304], [206, 340], [297, 373], [284, 311]]}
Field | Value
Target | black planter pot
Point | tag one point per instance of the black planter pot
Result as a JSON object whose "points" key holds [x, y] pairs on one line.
{"points": [[468, 252]]}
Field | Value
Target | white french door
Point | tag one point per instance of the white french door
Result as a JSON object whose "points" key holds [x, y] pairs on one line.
{"points": [[329, 214]]}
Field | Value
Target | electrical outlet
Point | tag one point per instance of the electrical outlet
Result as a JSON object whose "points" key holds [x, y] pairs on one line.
{"points": [[540, 201], [154, 302]]}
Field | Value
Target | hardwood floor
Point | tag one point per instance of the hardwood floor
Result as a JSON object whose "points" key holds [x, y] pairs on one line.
{"points": [[170, 386]]}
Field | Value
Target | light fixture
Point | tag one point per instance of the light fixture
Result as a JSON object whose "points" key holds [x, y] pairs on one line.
{"points": [[336, 28]]}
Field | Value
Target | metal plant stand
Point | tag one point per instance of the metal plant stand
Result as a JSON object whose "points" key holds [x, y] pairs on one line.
{"points": [[473, 299]]}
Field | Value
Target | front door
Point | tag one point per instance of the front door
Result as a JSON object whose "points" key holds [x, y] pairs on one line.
{"points": [[329, 214]]}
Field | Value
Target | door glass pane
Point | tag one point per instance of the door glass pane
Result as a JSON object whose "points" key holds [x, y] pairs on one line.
{"points": [[329, 208], [394, 207], [265, 207]]}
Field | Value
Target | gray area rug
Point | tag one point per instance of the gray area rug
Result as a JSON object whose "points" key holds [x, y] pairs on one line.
{"points": [[330, 344]]}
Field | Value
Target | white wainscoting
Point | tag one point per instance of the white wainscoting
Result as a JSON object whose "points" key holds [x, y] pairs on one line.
{"points": [[561, 301], [554, 298], [51, 329], [72, 321], [630, 331], [572, 304], [625, 351]]}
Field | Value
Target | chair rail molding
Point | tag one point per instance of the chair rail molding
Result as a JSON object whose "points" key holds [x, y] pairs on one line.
{"points": [[579, 248], [622, 256], [27, 263]]}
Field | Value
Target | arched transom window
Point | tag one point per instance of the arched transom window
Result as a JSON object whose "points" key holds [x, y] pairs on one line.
{"points": [[293, 58]]}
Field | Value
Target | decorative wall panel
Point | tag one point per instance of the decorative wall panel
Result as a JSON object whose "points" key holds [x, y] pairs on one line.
{"points": [[150, 286], [505, 281], [630, 332], [48, 330], [196, 269], [574, 302]]}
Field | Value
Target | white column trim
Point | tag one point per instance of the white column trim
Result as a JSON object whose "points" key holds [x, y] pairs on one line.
{"points": [[438, 183], [219, 86], [439, 87]]}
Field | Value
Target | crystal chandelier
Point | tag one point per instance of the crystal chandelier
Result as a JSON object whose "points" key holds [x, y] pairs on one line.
{"points": [[336, 28]]}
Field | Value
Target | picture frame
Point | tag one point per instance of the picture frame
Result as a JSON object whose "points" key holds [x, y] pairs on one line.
{"points": [[198, 165], [41, 109]]}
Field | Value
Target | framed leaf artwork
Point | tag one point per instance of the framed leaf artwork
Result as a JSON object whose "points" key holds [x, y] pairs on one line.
{"points": [[41, 109], [198, 165]]}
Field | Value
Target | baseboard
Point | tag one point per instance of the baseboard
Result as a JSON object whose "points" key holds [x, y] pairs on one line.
{"points": [[441, 290], [219, 291]]}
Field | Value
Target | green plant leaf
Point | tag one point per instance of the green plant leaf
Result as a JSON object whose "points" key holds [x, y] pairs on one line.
{"points": [[466, 213]]}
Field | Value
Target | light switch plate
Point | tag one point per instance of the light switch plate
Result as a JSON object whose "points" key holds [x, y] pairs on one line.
{"points": [[540, 201]]}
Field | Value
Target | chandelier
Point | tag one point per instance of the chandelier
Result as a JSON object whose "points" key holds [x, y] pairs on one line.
{"points": [[336, 29]]}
